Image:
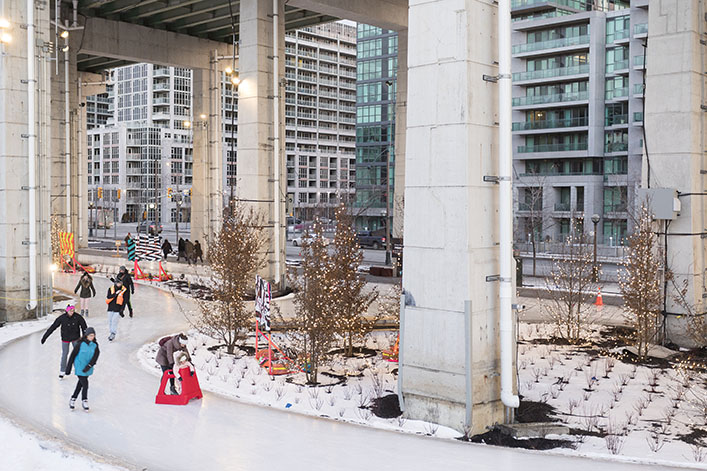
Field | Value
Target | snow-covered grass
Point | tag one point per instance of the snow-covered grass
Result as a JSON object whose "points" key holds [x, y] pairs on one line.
{"points": [[613, 404], [347, 389], [23, 450]]}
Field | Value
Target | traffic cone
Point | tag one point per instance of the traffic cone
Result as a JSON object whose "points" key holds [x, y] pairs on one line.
{"points": [[599, 301]]}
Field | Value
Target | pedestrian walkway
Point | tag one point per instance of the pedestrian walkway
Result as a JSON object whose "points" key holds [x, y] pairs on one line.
{"points": [[214, 433]]}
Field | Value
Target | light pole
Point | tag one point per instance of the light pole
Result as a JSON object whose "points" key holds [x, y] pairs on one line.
{"points": [[595, 221], [90, 216], [389, 85]]}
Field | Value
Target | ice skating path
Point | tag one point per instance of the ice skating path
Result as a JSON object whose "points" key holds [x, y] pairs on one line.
{"points": [[215, 433]]}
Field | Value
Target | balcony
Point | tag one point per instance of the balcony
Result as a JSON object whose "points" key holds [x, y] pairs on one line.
{"points": [[615, 208], [621, 35], [550, 44], [544, 99], [563, 207], [638, 118], [161, 87], [551, 124], [537, 206], [160, 72], [617, 66], [576, 4], [549, 73], [616, 93], [561, 147], [639, 62], [616, 147], [638, 90], [306, 78], [616, 120], [640, 30]]}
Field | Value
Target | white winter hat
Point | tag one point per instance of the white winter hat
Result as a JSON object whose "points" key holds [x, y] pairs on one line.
{"points": [[183, 340]]}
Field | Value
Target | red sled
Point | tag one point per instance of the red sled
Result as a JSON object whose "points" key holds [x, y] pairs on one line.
{"points": [[190, 388]]}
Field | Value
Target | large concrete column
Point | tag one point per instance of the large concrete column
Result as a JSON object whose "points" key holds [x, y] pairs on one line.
{"points": [[207, 184], [14, 166], [451, 219], [675, 140], [255, 169], [59, 123], [400, 130]]}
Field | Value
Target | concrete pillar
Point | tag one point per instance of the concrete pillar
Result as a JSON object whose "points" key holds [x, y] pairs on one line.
{"points": [[254, 184], [58, 135], [675, 141], [14, 178], [207, 186], [451, 220], [400, 128]]}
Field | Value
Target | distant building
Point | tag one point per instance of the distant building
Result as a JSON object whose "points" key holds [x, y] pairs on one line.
{"points": [[578, 115], [377, 65]]}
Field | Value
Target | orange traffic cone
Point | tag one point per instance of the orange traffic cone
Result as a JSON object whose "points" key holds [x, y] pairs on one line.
{"points": [[599, 301]]}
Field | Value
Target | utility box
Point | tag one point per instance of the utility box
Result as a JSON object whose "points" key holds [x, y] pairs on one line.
{"points": [[662, 202]]}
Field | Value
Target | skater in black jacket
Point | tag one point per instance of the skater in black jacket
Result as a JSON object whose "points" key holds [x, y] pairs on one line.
{"points": [[73, 327]]}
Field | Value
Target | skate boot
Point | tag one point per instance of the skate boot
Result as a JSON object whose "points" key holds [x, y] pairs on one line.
{"points": [[84, 404], [61, 375], [72, 404], [111, 337]]}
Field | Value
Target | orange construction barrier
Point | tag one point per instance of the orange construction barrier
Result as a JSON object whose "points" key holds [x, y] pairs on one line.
{"points": [[190, 388], [392, 354], [599, 301]]}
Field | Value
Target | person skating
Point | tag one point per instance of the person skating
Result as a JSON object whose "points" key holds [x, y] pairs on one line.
{"points": [[198, 254], [127, 280], [165, 356], [181, 249], [166, 248], [115, 299], [73, 327], [87, 292], [83, 359]]}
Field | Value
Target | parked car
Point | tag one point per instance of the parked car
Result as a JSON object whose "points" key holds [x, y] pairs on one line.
{"points": [[371, 239], [149, 227], [302, 238]]}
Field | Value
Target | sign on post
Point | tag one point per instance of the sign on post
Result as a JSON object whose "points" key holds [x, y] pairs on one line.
{"points": [[263, 296]]}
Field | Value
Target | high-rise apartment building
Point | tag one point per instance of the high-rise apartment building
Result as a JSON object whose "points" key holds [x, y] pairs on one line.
{"points": [[320, 117], [377, 65], [578, 115], [147, 152], [99, 108]]}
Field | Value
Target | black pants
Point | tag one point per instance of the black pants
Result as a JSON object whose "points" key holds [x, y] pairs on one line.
{"points": [[126, 297], [171, 380], [81, 386]]}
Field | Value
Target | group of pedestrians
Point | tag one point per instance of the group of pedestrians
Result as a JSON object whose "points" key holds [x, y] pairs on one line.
{"points": [[191, 252], [76, 334]]}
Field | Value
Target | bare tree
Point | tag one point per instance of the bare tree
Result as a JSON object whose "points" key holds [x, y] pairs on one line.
{"points": [[314, 325], [640, 283], [571, 286], [350, 302], [536, 218], [234, 257]]}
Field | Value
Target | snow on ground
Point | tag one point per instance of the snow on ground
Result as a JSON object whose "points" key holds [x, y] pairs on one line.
{"points": [[613, 407], [347, 391], [23, 450], [612, 403]]}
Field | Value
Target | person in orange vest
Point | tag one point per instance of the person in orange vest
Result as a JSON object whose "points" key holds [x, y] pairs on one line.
{"points": [[116, 305]]}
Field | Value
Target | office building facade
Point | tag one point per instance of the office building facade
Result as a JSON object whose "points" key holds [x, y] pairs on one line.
{"points": [[377, 65]]}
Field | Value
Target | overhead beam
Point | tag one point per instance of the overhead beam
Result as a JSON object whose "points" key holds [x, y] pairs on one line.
{"points": [[143, 11], [136, 43], [388, 14], [193, 8], [213, 16]]}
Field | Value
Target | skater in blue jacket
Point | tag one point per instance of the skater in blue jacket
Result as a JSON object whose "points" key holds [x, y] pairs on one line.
{"points": [[83, 359]]}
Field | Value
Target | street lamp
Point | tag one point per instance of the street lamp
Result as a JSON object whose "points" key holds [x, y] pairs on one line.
{"points": [[595, 221]]}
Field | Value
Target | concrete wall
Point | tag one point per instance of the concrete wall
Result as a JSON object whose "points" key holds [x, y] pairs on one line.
{"points": [[451, 224], [675, 127], [14, 166]]}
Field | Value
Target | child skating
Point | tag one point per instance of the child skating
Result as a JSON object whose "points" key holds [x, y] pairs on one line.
{"points": [[88, 291], [182, 368], [83, 359]]}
